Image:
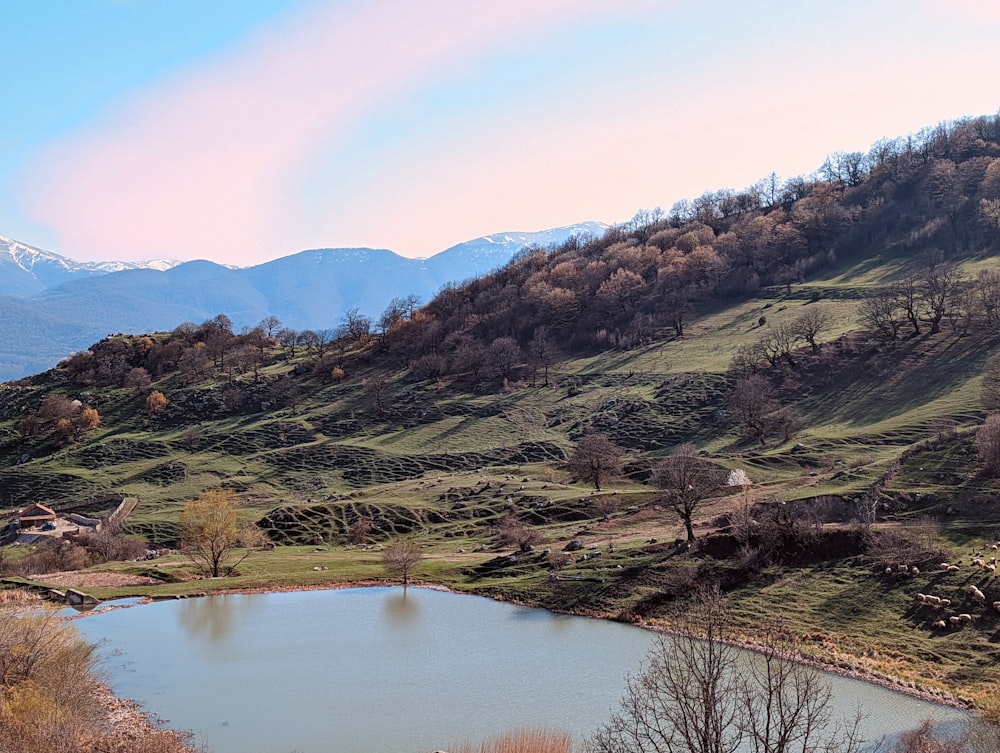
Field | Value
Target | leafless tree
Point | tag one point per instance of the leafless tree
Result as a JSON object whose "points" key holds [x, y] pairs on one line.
{"points": [[138, 380], [687, 481], [377, 394], [512, 531], [990, 388], [543, 352], [881, 313], [358, 531], [400, 557], [988, 444], [595, 459], [811, 324], [696, 694], [504, 355], [752, 400], [684, 699], [270, 325], [939, 284]]}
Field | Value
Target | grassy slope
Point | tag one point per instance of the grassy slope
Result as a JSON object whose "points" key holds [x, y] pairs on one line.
{"points": [[449, 464]]}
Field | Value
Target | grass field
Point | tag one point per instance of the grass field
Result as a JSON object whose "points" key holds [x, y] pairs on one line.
{"points": [[448, 463]]}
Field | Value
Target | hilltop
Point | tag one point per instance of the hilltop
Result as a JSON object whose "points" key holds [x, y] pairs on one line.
{"points": [[856, 310]]}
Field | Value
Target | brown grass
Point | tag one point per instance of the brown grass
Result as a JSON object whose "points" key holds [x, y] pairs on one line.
{"points": [[521, 741], [17, 596]]}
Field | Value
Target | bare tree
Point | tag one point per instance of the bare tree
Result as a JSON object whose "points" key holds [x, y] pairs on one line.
{"points": [[543, 352], [684, 699], [687, 481], [138, 380], [695, 694], [400, 557], [988, 444], [270, 325], [595, 459], [990, 388], [377, 394], [811, 324], [881, 313], [357, 532], [504, 354], [514, 532], [752, 400]]}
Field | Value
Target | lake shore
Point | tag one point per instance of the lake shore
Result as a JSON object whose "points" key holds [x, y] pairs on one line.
{"points": [[841, 668]]}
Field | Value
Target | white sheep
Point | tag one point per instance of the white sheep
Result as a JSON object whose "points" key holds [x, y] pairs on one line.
{"points": [[955, 621], [945, 602], [953, 568], [966, 618], [888, 569], [903, 568], [977, 595], [996, 605], [940, 624], [922, 598], [914, 570], [932, 599], [944, 565]]}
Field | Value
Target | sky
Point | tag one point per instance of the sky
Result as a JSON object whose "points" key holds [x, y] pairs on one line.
{"points": [[245, 130]]}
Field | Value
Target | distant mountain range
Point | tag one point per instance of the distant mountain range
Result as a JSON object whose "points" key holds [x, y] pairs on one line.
{"points": [[26, 270], [52, 306]]}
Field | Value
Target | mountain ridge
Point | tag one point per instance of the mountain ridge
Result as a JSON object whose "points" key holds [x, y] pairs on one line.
{"points": [[310, 289]]}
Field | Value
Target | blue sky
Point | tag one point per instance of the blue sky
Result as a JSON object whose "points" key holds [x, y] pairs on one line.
{"points": [[243, 130]]}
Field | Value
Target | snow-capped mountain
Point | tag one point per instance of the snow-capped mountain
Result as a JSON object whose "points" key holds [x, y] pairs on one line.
{"points": [[52, 306], [26, 270], [492, 251]]}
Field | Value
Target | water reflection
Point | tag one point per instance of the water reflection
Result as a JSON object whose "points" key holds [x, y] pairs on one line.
{"points": [[380, 670], [401, 609], [213, 618]]}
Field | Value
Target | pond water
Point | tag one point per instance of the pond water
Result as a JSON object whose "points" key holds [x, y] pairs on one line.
{"points": [[384, 670]]}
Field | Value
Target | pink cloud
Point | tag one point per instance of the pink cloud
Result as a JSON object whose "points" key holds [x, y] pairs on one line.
{"points": [[201, 165], [980, 10]]}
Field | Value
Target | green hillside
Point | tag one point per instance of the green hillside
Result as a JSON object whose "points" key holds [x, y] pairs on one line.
{"points": [[447, 421]]}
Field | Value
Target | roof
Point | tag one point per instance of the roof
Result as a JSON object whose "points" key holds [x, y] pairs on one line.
{"points": [[37, 512]]}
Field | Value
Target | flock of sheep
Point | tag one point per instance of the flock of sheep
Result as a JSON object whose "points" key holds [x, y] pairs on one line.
{"points": [[937, 602]]}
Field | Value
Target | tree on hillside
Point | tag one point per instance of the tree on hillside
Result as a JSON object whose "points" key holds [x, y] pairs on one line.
{"points": [[377, 395], [988, 444], [595, 459], [512, 531], [881, 313], [138, 380], [687, 481], [695, 695], [752, 400], [400, 557], [504, 355], [212, 533], [156, 403], [811, 324], [270, 325], [990, 388], [543, 352]]}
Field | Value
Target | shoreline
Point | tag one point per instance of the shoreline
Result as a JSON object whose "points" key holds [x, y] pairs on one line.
{"points": [[888, 682], [127, 723]]}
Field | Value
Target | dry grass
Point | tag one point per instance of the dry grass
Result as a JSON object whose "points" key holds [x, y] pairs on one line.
{"points": [[521, 741], [16, 597]]}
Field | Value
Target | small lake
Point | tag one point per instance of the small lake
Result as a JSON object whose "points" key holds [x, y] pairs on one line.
{"points": [[380, 670]]}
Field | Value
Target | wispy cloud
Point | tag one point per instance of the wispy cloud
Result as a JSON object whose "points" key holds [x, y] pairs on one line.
{"points": [[203, 164]]}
